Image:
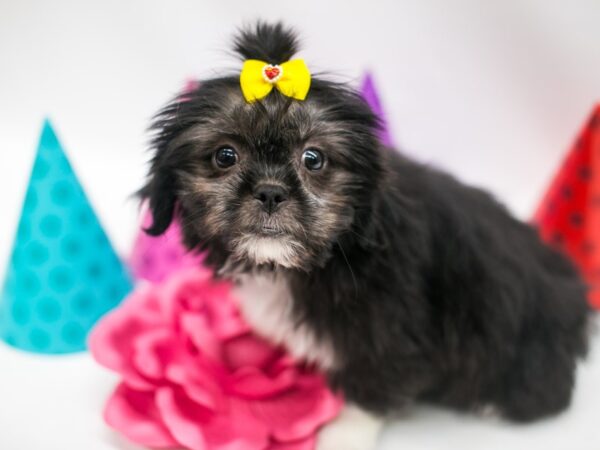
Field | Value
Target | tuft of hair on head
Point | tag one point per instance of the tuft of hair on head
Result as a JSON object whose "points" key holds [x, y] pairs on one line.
{"points": [[272, 43]]}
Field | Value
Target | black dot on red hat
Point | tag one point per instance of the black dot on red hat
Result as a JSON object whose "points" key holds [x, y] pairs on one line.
{"points": [[585, 173], [567, 192], [576, 219]]}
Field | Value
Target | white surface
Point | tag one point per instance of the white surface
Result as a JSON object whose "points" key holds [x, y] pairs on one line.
{"points": [[494, 91], [352, 429], [55, 403]]}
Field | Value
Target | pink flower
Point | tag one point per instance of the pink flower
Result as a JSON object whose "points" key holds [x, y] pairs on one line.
{"points": [[194, 376]]}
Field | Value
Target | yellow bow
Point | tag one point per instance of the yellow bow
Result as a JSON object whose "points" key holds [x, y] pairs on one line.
{"points": [[258, 78]]}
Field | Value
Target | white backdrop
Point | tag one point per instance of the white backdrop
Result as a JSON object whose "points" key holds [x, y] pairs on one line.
{"points": [[493, 91]]}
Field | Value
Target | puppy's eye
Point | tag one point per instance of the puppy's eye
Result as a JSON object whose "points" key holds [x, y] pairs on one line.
{"points": [[313, 159], [226, 157]]}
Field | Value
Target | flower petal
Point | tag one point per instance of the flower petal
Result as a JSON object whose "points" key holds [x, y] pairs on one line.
{"points": [[111, 341], [300, 412], [199, 385], [196, 328], [223, 314], [197, 292], [184, 419], [233, 428], [133, 413], [152, 352], [252, 383], [249, 350]]}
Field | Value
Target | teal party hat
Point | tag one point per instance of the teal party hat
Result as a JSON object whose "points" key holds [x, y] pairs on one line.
{"points": [[63, 274]]}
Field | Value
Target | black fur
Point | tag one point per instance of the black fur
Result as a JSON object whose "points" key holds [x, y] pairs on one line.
{"points": [[427, 289], [270, 43]]}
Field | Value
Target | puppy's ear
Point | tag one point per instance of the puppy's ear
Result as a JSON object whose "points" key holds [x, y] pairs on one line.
{"points": [[161, 193], [161, 187]]}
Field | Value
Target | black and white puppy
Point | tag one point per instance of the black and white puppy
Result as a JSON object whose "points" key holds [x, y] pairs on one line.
{"points": [[397, 280]]}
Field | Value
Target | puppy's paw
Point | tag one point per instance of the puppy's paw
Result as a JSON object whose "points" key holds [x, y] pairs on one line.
{"points": [[353, 429]]}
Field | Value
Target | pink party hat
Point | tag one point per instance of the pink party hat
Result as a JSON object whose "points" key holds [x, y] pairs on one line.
{"points": [[156, 258]]}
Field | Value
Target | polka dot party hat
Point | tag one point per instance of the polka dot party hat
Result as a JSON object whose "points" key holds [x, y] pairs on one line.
{"points": [[569, 215], [63, 273]]}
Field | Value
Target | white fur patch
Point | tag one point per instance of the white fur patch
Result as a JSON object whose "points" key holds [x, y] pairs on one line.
{"points": [[262, 250], [266, 303]]}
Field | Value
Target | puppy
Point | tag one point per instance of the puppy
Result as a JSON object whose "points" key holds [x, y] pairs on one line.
{"points": [[394, 278]]}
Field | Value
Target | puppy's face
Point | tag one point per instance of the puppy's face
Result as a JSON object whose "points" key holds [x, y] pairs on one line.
{"points": [[271, 183]]}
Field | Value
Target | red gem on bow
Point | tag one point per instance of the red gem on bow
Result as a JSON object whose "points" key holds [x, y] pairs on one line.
{"points": [[272, 72]]}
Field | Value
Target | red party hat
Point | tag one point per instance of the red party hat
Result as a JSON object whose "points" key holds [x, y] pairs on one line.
{"points": [[569, 215]]}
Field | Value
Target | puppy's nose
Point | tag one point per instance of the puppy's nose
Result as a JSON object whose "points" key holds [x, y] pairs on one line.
{"points": [[270, 195]]}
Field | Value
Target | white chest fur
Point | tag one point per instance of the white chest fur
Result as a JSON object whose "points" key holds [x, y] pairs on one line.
{"points": [[266, 304]]}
